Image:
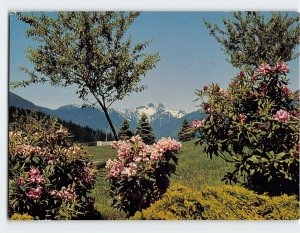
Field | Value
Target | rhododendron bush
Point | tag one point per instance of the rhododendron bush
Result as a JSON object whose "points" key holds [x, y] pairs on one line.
{"points": [[49, 177], [140, 174], [255, 125]]}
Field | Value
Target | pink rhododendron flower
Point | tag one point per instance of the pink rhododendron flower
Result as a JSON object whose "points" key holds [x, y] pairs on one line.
{"points": [[124, 148], [242, 118], [73, 150], [295, 114], [34, 193], [133, 152], [205, 88], [88, 176], [130, 170], [264, 69], [282, 116], [12, 134], [35, 177], [168, 144], [65, 194], [198, 123], [242, 74], [26, 150], [223, 92], [21, 180], [297, 147], [114, 167], [286, 91], [137, 139], [282, 67]]}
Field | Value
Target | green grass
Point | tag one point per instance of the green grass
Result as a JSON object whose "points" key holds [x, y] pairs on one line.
{"points": [[194, 170], [101, 153]]}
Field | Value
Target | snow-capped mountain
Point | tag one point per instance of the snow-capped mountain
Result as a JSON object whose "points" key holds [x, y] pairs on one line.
{"points": [[165, 122], [153, 112]]}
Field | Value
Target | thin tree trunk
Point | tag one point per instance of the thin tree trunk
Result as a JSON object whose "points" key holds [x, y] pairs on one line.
{"points": [[110, 123]]}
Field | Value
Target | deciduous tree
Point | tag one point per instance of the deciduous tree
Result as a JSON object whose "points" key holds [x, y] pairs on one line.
{"points": [[250, 38], [91, 50]]}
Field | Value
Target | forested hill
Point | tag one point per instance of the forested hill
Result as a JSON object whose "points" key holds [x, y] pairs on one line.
{"points": [[78, 133]]}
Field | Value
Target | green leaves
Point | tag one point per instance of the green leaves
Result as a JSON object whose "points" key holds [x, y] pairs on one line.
{"points": [[241, 121], [90, 50], [42, 163], [249, 38]]}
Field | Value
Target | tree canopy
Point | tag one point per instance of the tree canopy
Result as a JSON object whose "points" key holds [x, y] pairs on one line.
{"points": [[125, 133], [91, 50], [185, 133], [145, 131], [249, 38]]}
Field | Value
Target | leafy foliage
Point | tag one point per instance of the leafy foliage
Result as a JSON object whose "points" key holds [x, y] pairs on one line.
{"points": [[49, 177], [90, 50], [141, 173], [125, 132], [185, 133], [249, 38], [220, 203], [145, 131], [255, 125]]}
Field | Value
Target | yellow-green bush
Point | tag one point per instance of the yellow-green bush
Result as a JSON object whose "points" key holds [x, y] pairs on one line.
{"points": [[220, 203], [17, 216]]}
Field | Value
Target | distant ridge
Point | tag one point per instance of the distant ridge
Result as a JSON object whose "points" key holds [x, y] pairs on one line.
{"points": [[165, 122]]}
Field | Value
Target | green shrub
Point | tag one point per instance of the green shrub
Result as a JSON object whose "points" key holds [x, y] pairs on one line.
{"points": [[49, 176], [220, 203], [254, 124], [140, 174], [17, 216]]}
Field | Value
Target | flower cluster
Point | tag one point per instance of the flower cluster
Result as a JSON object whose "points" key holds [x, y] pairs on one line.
{"points": [[167, 144], [35, 177], [124, 148], [282, 116], [73, 150], [205, 88], [197, 124], [41, 159], [26, 150], [242, 118], [34, 193], [286, 91], [246, 122], [65, 194], [13, 135], [223, 92], [140, 174], [133, 151], [88, 177], [266, 69]]}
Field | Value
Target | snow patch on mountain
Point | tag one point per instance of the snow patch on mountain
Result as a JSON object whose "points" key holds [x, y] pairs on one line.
{"points": [[150, 110]]}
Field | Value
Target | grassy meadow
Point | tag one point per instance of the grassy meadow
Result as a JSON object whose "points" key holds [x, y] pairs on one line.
{"points": [[194, 170]]}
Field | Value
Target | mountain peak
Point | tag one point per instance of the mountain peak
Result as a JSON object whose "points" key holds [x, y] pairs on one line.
{"points": [[151, 105], [160, 105]]}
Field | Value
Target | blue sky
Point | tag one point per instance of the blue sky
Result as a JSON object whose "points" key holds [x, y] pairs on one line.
{"points": [[190, 58]]}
